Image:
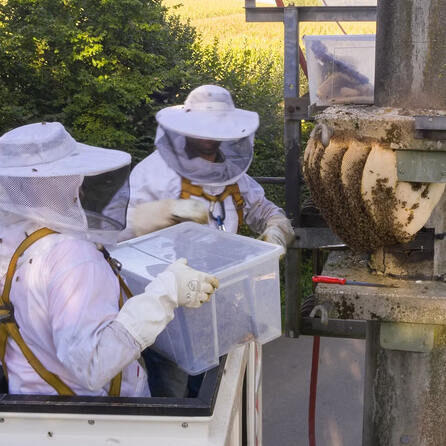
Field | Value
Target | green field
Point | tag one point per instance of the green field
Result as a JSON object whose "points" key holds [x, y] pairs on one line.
{"points": [[225, 20]]}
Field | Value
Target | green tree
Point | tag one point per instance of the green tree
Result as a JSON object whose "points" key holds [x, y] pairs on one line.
{"points": [[102, 67], [105, 67]]}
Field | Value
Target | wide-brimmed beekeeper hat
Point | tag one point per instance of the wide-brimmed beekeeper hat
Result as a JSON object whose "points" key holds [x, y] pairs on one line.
{"points": [[209, 113], [47, 177], [48, 150]]}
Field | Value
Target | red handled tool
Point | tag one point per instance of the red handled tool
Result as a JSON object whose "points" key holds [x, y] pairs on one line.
{"points": [[342, 281]]}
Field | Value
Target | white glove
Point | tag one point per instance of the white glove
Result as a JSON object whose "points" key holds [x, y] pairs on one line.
{"points": [[193, 287], [146, 315], [190, 210], [154, 215], [278, 231]]}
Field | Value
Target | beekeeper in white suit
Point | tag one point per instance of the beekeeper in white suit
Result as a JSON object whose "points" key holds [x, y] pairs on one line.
{"points": [[67, 334], [198, 171]]}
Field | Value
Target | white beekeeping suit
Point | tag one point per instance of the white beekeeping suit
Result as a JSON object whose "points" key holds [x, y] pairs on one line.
{"points": [[64, 294], [183, 183]]}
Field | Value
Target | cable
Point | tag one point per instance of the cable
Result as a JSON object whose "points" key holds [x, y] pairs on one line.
{"points": [[340, 26], [316, 339], [313, 392]]}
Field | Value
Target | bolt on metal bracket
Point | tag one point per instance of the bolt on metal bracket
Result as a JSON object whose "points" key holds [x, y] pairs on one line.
{"points": [[297, 108]]}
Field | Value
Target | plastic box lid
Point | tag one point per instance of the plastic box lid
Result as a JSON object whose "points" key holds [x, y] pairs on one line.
{"points": [[245, 307], [341, 69]]}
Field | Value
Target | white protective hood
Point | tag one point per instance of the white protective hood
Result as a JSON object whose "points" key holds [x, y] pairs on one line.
{"points": [[49, 179], [208, 113]]}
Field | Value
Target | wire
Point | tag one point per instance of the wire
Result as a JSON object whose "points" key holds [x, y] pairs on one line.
{"points": [[316, 339], [313, 392], [340, 26]]}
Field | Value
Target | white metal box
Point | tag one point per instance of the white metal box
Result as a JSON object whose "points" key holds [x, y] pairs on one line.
{"points": [[246, 306], [341, 69]]}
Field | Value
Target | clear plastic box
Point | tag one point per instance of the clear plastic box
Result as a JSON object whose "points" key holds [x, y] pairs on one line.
{"points": [[246, 306], [341, 69]]}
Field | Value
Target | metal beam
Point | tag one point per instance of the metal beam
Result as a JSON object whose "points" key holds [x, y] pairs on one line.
{"points": [[312, 238], [336, 328], [292, 136], [313, 13], [270, 180]]}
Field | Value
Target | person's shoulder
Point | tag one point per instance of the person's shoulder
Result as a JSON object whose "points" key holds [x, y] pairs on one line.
{"points": [[246, 182], [152, 163], [250, 189], [60, 248], [152, 175]]}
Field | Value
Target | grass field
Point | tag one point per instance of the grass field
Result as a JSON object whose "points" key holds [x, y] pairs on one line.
{"points": [[225, 20]]}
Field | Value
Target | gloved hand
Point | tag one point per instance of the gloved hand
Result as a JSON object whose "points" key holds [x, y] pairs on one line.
{"points": [[154, 215], [193, 287], [189, 210], [146, 315], [278, 231]]}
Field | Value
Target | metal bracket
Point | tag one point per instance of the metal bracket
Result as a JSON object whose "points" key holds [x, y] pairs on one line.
{"points": [[297, 108], [407, 337], [430, 127], [337, 328], [313, 238]]}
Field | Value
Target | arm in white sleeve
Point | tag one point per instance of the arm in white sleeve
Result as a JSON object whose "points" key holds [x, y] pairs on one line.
{"points": [[258, 209], [113, 341], [151, 216], [91, 339], [146, 315], [154, 199]]}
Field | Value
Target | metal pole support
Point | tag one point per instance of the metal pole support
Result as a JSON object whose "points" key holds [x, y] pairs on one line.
{"points": [[292, 133]]}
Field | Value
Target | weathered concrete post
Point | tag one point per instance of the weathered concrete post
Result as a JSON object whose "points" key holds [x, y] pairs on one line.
{"points": [[411, 54], [406, 381], [404, 391]]}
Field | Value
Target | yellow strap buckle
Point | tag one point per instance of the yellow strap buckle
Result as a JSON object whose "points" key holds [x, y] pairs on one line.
{"points": [[6, 313]]}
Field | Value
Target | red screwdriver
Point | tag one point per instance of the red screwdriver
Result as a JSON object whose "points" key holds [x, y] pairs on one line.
{"points": [[342, 281]]}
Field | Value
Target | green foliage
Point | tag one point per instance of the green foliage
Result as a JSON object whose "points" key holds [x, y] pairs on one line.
{"points": [[102, 67], [105, 67]]}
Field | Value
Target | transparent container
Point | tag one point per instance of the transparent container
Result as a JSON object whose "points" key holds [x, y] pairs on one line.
{"points": [[341, 69], [246, 306]]}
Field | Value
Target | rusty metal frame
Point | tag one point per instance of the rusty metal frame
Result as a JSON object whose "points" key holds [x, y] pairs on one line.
{"points": [[296, 110]]}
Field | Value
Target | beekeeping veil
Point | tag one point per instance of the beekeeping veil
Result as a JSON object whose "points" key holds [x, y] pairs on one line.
{"points": [[48, 178], [208, 113]]}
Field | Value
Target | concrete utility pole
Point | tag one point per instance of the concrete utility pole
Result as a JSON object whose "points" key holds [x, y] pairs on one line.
{"points": [[405, 384], [411, 54]]}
